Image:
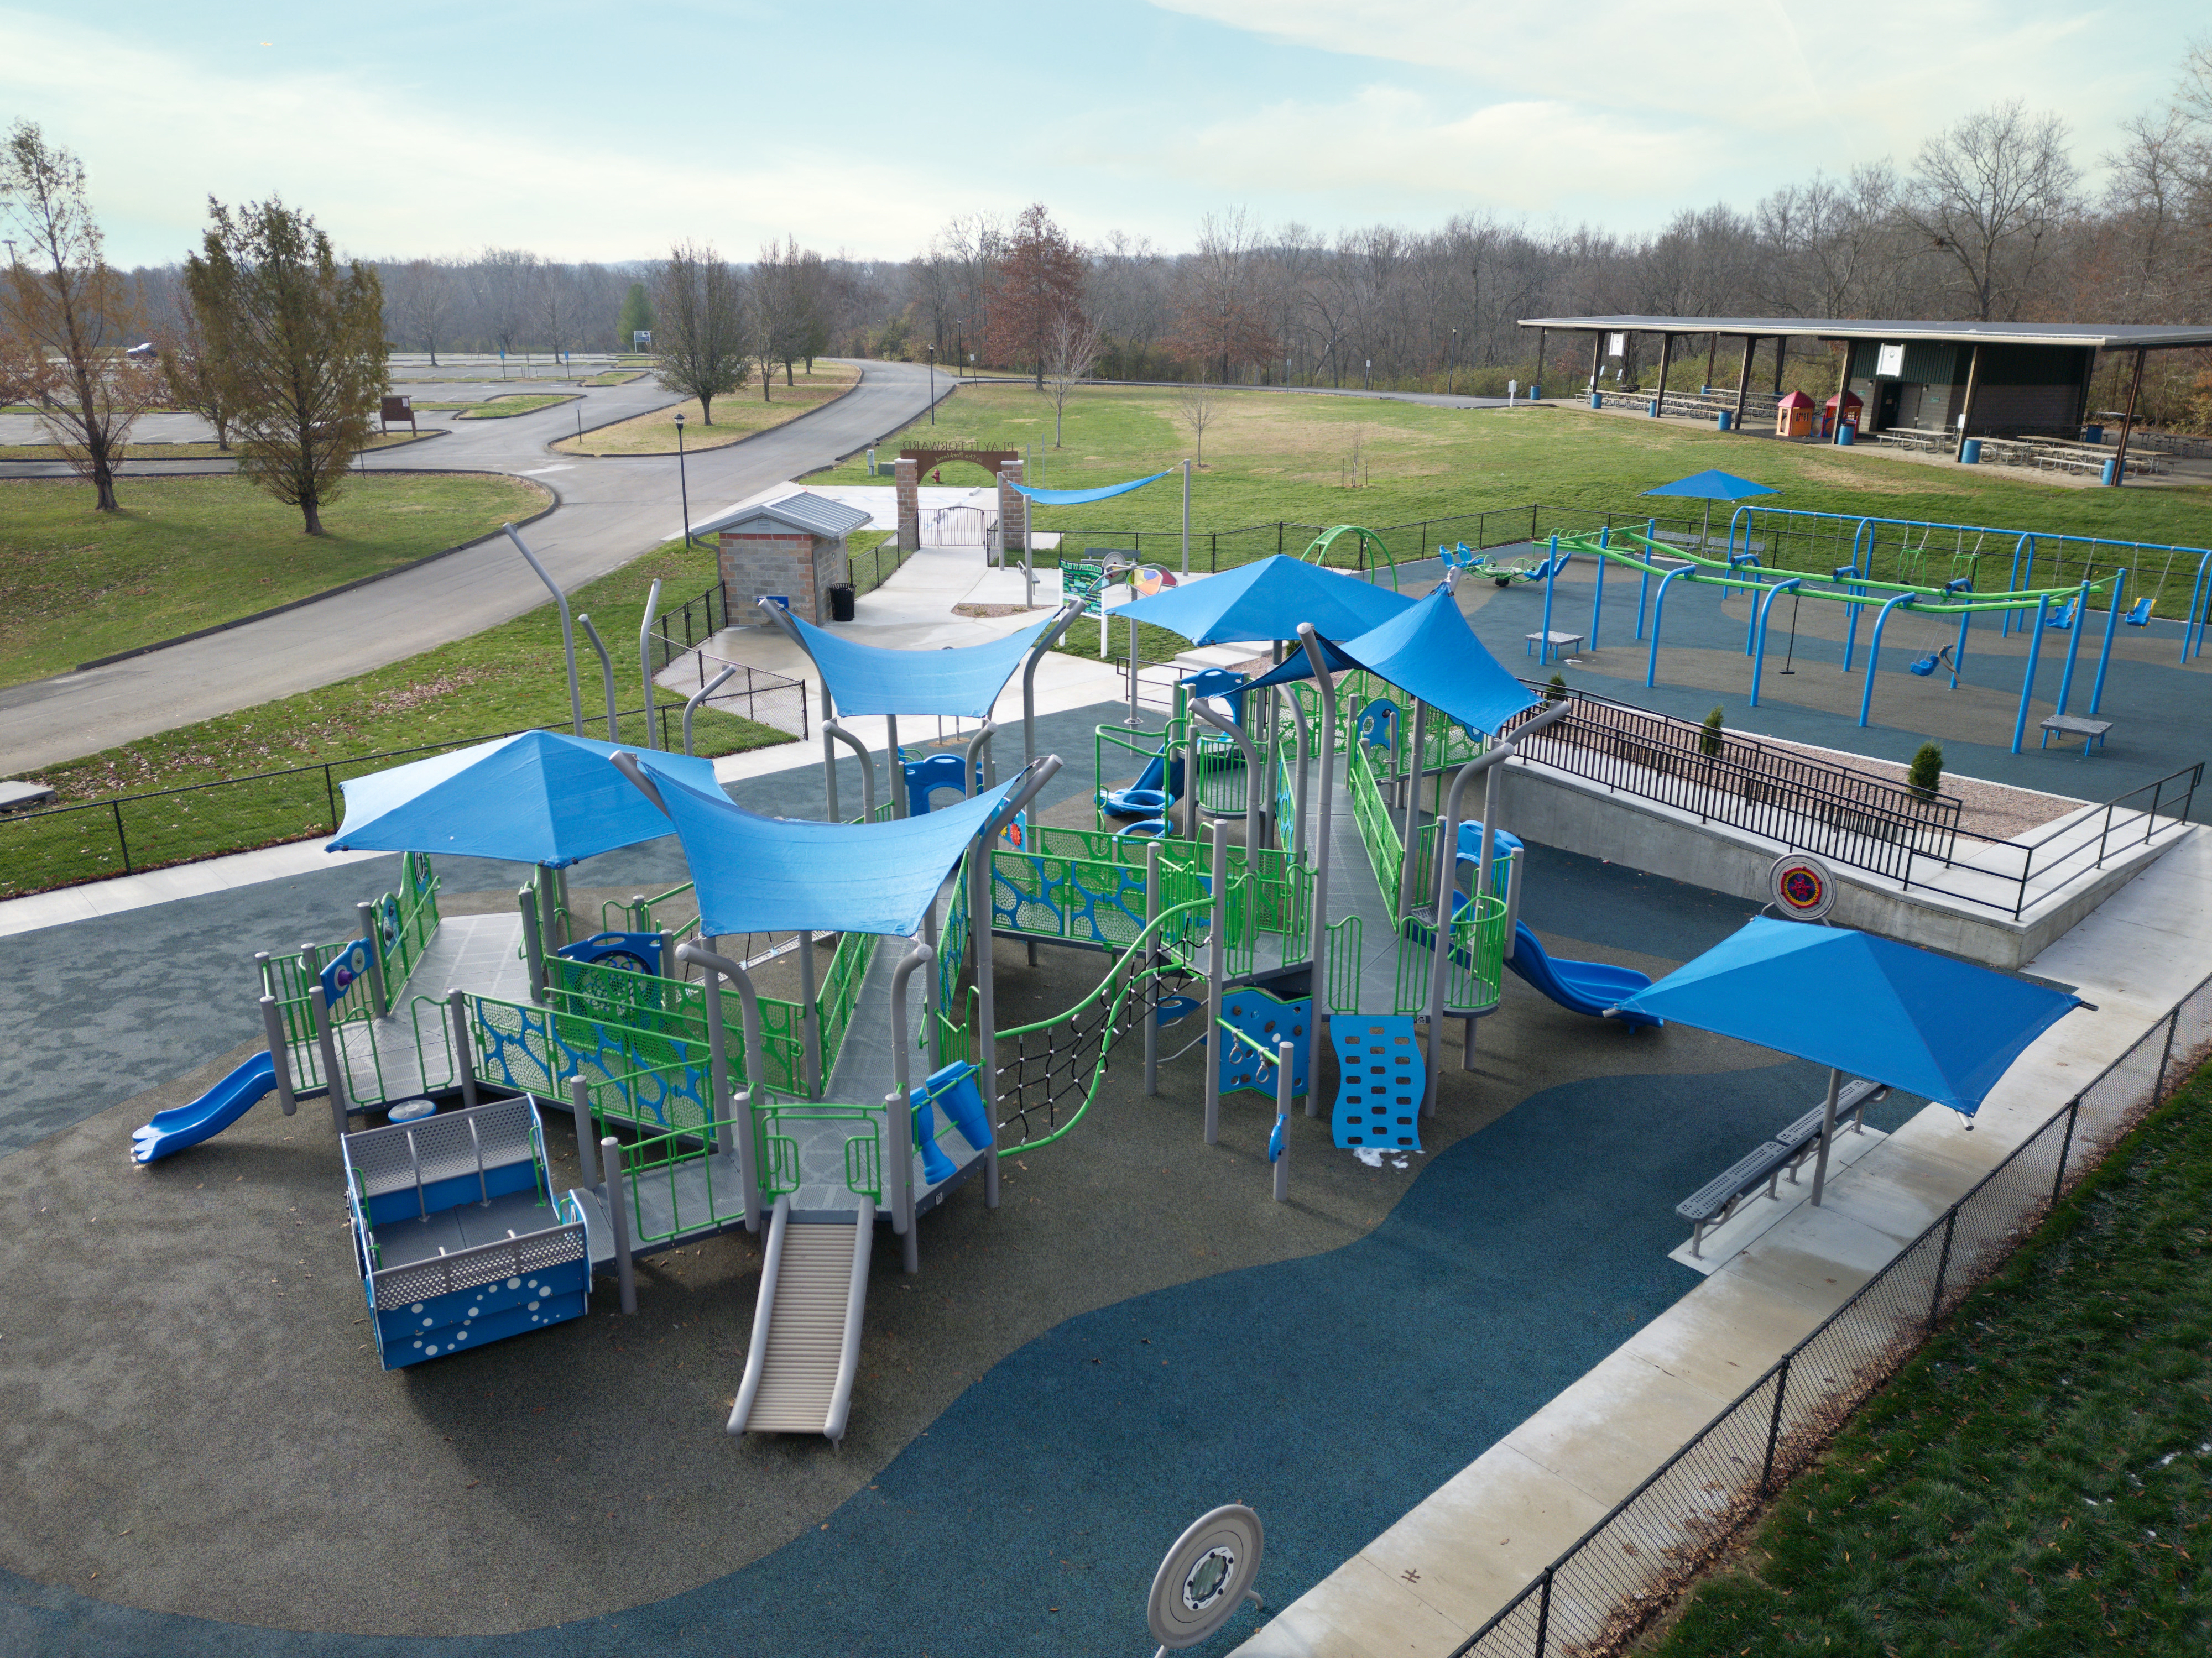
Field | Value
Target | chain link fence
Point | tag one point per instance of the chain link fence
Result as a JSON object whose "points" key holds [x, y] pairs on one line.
{"points": [[1594, 1599]]}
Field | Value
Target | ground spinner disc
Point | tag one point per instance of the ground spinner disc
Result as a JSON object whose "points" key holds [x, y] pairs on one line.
{"points": [[1206, 1576], [1801, 888]]}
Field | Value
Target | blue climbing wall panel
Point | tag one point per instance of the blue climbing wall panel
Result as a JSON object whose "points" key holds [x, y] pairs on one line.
{"points": [[1267, 1020], [1380, 1075]]}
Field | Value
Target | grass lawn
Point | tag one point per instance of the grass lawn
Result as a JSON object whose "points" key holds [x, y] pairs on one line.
{"points": [[869, 572], [506, 679], [2039, 1479], [738, 415], [512, 403], [186, 553], [615, 377], [1275, 456], [191, 451]]}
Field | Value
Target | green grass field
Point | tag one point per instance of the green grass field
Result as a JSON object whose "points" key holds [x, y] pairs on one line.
{"points": [[2038, 1479], [506, 679], [737, 416], [1273, 456], [187, 553]]}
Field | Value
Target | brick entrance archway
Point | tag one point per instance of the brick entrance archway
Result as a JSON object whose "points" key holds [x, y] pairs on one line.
{"points": [[1003, 464]]}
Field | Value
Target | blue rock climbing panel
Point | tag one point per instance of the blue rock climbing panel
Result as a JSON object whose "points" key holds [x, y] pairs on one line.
{"points": [[1380, 1079], [1267, 1020]]}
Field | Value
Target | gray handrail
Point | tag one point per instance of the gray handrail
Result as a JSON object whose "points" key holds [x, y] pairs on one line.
{"points": [[718, 1059], [1046, 640], [757, 1354], [568, 632], [645, 666], [607, 674], [967, 783], [856, 1304], [830, 728], [1316, 659], [1252, 809], [898, 1125]]}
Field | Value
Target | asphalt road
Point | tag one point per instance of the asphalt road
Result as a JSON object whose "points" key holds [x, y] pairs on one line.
{"points": [[610, 511]]}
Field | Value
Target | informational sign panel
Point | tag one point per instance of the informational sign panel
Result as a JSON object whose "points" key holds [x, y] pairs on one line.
{"points": [[1890, 365], [642, 339], [1616, 345]]}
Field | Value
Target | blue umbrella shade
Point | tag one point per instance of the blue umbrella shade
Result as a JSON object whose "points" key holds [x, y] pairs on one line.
{"points": [[1711, 485], [1266, 601], [1925, 1024], [1430, 652], [758, 874], [535, 798], [963, 681]]}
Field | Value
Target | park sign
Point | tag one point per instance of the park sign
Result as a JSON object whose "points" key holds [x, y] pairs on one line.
{"points": [[642, 339]]}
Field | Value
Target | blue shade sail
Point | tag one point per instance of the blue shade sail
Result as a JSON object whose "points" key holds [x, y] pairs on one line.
{"points": [[1429, 651], [965, 680], [1944, 1029], [535, 798], [758, 874], [1266, 601], [1081, 497]]}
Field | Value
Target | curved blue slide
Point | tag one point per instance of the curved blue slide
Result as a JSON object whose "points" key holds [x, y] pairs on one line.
{"points": [[1590, 987], [210, 1115]]}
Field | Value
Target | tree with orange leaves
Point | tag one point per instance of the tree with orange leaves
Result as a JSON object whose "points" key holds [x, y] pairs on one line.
{"points": [[1040, 285]]}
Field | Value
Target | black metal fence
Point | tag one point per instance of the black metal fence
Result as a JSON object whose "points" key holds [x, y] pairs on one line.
{"points": [[124, 834], [689, 625], [1595, 1597], [1851, 817]]}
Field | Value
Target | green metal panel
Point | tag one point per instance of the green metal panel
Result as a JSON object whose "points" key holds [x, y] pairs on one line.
{"points": [[1934, 363]]}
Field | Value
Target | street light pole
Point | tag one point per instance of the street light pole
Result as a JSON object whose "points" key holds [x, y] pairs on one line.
{"points": [[1367, 380], [681, 482], [932, 386], [1451, 362]]}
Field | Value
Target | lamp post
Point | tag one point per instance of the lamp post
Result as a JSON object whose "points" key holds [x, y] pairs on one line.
{"points": [[959, 343], [1367, 377], [1451, 362], [932, 386], [683, 483]]}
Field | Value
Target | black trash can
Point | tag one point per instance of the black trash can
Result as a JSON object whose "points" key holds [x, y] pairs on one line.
{"points": [[841, 602]]}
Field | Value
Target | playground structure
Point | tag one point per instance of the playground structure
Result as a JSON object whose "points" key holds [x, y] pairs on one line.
{"points": [[795, 1118], [2035, 611]]}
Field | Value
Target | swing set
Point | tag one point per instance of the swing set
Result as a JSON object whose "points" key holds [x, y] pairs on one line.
{"points": [[2064, 608]]}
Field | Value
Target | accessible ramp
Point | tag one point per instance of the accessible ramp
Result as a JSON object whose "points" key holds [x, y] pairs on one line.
{"points": [[1596, 988], [807, 1334], [207, 1115]]}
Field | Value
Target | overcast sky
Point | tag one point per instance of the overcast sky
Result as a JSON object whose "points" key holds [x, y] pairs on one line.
{"points": [[410, 128]]}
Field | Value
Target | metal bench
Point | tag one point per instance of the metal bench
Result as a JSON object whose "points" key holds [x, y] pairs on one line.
{"points": [[2091, 731], [1716, 1201]]}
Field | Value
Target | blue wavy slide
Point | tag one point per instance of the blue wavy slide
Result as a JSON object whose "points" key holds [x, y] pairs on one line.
{"points": [[210, 1115], [1590, 987]]}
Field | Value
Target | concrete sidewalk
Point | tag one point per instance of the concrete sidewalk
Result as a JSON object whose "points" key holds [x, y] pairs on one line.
{"points": [[1428, 1582]]}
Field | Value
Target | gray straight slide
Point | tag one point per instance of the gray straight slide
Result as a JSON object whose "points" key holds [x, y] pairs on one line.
{"points": [[806, 1331]]}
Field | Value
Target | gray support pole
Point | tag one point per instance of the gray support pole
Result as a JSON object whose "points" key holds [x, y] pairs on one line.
{"points": [[894, 767], [1409, 838], [379, 999], [1319, 932], [1133, 673], [1253, 835], [867, 772], [568, 631], [1152, 906], [333, 1070], [1217, 973], [898, 1156], [562, 914], [1742, 383], [280, 1054], [465, 1065], [1045, 641], [587, 1144], [972, 758], [645, 669], [809, 1019], [738, 1119], [1298, 789], [618, 1213], [1965, 408], [1285, 1065], [1827, 1133], [691, 706], [935, 1027], [1512, 901], [533, 947], [1186, 525], [981, 924], [606, 676]]}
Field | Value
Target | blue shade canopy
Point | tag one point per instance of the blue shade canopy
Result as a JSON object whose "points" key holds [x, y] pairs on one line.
{"points": [[537, 797], [1266, 601], [758, 874], [965, 680], [1079, 497], [1713, 486], [1921, 1023], [1430, 652]]}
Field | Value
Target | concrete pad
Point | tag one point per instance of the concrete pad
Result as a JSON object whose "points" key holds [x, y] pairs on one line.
{"points": [[124, 893], [1359, 1612], [1595, 1433], [1756, 1215]]}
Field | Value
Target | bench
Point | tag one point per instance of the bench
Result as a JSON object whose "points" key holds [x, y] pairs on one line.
{"points": [[2091, 731], [15, 795], [1562, 643], [1719, 1198]]}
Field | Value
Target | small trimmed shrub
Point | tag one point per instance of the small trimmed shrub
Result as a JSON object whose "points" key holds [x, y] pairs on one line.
{"points": [[1927, 773], [1708, 740], [1557, 690]]}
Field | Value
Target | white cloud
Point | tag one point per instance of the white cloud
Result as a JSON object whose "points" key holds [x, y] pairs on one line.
{"points": [[388, 171]]}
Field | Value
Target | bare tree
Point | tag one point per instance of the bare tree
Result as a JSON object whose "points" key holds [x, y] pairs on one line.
{"points": [[424, 293], [192, 378], [1221, 318], [1196, 404], [699, 325], [775, 309], [1989, 192], [64, 316], [1071, 346]]}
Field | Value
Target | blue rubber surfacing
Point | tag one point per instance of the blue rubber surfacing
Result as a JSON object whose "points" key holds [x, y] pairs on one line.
{"points": [[1332, 1393]]}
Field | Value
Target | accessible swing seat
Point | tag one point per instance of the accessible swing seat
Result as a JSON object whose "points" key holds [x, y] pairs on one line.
{"points": [[2140, 616], [2063, 617]]}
